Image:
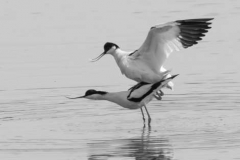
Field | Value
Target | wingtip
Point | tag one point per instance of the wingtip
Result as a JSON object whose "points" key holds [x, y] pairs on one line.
{"points": [[207, 19], [191, 30], [199, 20], [211, 19], [174, 76]]}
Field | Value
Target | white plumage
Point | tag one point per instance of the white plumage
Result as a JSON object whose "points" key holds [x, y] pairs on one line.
{"points": [[146, 63], [131, 99]]}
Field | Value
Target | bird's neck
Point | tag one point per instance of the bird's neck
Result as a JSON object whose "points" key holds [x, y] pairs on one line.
{"points": [[118, 54], [121, 58], [119, 98], [113, 96]]}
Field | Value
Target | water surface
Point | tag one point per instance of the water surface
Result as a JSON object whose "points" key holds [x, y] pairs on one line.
{"points": [[44, 52]]}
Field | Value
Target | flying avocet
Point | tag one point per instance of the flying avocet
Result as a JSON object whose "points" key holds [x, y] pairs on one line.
{"points": [[145, 65]]}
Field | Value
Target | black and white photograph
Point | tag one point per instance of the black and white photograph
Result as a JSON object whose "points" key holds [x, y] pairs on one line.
{"points": [[119, 80]]}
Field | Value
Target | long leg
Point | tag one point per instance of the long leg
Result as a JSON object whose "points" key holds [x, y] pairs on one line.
{"points": [[149, 118], [143, 116]]}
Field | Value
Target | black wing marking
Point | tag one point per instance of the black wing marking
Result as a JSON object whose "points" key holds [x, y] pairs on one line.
{"points": [[191, 30], [153, 87], [136, 87], [132, 53]]}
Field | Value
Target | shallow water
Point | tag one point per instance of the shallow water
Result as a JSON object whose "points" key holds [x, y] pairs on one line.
{"points": [[44, 52]]}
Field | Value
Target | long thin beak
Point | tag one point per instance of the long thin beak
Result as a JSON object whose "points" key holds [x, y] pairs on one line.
{"points": [[95, 59], [75, 97]]}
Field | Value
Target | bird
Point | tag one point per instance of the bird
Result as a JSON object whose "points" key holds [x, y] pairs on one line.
{"points": [[145, 65], [132, 99]]}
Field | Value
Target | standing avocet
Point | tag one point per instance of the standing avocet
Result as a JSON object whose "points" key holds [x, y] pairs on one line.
{"points": [[131, 99], [145, 65]]}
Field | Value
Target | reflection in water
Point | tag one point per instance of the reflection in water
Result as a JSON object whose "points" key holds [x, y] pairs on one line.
{"points": [[144, 147]]}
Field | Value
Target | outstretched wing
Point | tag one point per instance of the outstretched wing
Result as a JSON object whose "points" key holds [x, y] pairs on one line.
{"points": [[166, 38]]}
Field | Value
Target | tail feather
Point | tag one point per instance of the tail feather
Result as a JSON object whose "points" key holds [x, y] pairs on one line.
{"points": [[170, 78], [166, 73]]}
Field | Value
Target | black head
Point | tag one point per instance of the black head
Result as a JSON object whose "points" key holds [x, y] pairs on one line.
{"points": [[108, 46], [92, 91]]}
